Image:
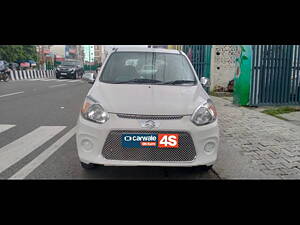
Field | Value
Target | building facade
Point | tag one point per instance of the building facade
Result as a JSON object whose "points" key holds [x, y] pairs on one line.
{"points": [[89, 53], [99, 54], [44, 56], [58, 50], [71, 51]]}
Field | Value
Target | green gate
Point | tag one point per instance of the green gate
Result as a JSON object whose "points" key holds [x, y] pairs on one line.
{"points": [[91, 67], [200, 56], [275, 75]]}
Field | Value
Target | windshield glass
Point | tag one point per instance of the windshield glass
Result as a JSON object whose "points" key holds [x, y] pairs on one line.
{"points": [[1, 62], [148, 67], [68, 63]]}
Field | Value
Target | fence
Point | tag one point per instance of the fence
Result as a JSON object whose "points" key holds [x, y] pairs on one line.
{"points": [[90, 67], [275, 75], [200, 56], [31, 74]]}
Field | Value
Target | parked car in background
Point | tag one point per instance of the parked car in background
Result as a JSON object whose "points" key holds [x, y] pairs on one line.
{"points": [[4, 70], [23, 64], [14, 66], [4, 65], [32, 63]]}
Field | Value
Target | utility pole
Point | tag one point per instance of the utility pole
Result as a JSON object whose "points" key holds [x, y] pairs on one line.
{"points": [[90, 57]]}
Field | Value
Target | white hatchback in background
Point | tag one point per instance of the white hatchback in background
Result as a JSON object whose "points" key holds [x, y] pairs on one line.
{"points": [[153, 112]]}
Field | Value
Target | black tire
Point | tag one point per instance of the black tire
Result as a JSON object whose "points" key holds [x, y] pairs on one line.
{"points": [[57, 77], [4, 77], [74, 77], [207, 168], [87, 166]]}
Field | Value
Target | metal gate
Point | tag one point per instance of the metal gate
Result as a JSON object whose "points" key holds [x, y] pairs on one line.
{"points": [[200, 56], [275, 75]]}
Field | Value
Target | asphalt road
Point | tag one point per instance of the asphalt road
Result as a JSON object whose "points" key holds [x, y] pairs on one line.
{"points": [[37, 141]]}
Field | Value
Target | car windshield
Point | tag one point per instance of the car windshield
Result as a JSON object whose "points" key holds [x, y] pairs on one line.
{"points": [[68, 63], [1, 62], [148, 67]]}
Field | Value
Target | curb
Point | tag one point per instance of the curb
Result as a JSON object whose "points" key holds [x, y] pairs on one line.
{"points": [[30, 74]]}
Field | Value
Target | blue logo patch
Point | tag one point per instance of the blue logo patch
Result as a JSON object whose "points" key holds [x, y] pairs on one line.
{"points": [[139, 140]]}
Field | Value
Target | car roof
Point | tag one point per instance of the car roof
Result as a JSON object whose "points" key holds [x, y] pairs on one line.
{"points": [[139, 49]]}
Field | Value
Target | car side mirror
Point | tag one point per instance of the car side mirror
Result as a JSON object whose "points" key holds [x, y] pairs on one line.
{"points": [[205, 82]]}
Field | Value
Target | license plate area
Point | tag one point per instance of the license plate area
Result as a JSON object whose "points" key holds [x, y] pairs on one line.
{"points": [[150, 140], [113, 149]]}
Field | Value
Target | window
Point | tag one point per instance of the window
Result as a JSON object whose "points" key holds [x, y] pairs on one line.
{"points": [[162, 67]]}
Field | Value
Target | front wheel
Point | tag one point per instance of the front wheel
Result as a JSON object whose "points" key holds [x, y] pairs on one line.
{"points": [[207, 168], [87, 166], [4, 77], [75, 76]]}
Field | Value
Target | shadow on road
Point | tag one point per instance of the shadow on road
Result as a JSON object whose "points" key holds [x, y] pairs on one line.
{"points": [[112, 172]]}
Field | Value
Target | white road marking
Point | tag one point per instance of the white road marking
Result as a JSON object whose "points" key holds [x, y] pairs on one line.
{"points": [[58, 85], [15, 151], [46, 79], [4, 127], [71, 81], [16, 93], [26, 170]]}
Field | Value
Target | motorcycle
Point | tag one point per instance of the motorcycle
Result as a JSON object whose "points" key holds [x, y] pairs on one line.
{"points": [[4, 75]]}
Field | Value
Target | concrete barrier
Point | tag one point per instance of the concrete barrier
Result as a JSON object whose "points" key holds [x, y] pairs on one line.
{"points": [[31, 74]]}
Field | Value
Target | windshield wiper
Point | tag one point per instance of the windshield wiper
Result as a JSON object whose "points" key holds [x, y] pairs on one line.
{"points": [[139, 81], [174, 82]]}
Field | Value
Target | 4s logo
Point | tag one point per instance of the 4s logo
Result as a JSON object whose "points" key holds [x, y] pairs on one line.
{"points": [[168, 140]]}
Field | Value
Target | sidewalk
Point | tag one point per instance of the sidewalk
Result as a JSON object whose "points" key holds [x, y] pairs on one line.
{"points": [[293, 117], [255, 145]]}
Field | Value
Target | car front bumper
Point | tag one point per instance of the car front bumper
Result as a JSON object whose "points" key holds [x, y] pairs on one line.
{"points": [[96, 135], [65, 73]]}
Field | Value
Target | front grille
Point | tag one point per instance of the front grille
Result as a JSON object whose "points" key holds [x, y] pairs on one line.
{"points": [[113, 149], [150, 117]]}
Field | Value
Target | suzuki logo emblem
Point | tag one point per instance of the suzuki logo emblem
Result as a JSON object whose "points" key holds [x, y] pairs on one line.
{"points": [[150, 124]]}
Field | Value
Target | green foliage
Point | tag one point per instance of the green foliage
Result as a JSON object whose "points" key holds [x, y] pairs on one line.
{"points": [[12, 53], [280, 110]]}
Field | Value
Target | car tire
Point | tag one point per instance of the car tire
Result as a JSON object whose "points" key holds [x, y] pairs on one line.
{"points": [[57, 77], [74, 76], [87, 166], [207, 168]]}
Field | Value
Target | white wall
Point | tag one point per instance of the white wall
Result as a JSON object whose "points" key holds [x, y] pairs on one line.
{"points": [[223, 64]]}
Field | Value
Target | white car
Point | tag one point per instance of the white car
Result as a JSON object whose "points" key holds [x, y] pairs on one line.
{"points": [[127, 120]]}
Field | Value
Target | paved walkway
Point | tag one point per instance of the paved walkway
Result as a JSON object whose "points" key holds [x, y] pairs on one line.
{"points": [[293, 117], [267, 147]]}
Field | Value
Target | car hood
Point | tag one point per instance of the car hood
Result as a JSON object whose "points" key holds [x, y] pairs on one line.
{"points": [[148, 99], [67, 67]]}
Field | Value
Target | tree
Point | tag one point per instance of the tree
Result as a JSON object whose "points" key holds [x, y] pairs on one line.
{"points": [[12, 53]]}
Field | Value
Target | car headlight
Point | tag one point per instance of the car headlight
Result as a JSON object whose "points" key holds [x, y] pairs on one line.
{"points": [[204, 114], [93, 111]]}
